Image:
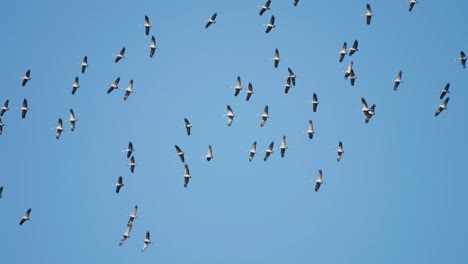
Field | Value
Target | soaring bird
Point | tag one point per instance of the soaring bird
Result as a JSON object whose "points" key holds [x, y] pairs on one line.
{"points": [[265, 7], [348, 71], [114, 86], [277, 58], [442, 94], [268, 151], [72, 120], [187, 175], [292, 76], [147, 241], [119, 184], [442, 106], [368, 14], [340, 151], [412, 3], [287, 85], [84, 64], [119, 56], [318, 181], [209, 154], [343, 51], [25, 217], [1, 191], [24, 108], [270, 25], [253, 151], [352, 77], [397, 81], [147, 25], [152, 46], [310, 129], [5, 107], [75, 85], [26, 77], [265, 116], [238, 86], [128, 90], [132, 216], [188, 126], [126, 234], [249, 92], [462, 59], [283, 146], [129, 149], [354, 48], [180, 153], [212, 20], [59, 128], [132, 164], [315, 102], [230, 115]]}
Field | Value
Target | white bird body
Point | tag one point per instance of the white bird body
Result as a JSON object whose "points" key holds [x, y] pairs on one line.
{"points": [[318, 181], [230, 115], [147, 241], [209, 154], [310, 129], [128, 90], [283, 146], [253, 151], [265, 116], [59, 128]]}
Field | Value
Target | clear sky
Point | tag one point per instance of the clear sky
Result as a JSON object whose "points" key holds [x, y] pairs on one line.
{"points": [[398, 195]]}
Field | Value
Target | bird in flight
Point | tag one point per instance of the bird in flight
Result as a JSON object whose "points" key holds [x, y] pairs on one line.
{"points": [[120, 56], [442, 106], [26, 77], [265, 7], [25, 217], [84, 64], [212, 20], [147, 241], [147, 25], [270, 25]]}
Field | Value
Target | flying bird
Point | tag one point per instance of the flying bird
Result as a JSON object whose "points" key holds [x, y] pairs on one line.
{"points": [[352, 77], [84, 64], [442, 94], [24, 108], [364, 108], [126, 234], [59, 128], [180, 153], [119, 56], [343, 51], [348, 71], [188, 126], [354, 48], [26, 77], [442, 106], [1, 192], [212, 20], [368, 114], [265, 7], [462, 59], [230, 115], [265, 116], [72, 120], [119, 184], [187, 175], [238, 86], [253, 151], [340, 151], [277, 58], [270, 25], [75, 85], [25, 217], [129, 149], [315, 102], [147, 25], [318, 181], [283, 146], [147, 241], [368, 14], [1, 126], [397, 81], [132, 164], [132, 216], [287, 85], [411, 4], [249, 92], [209, 154], [152, 46], [268, 151], [292, 76], [310, 129], [129, 90], [5, 107], [114, 86]]}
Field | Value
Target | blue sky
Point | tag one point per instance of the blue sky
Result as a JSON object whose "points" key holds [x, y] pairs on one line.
{"points": [[397, 195]]}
